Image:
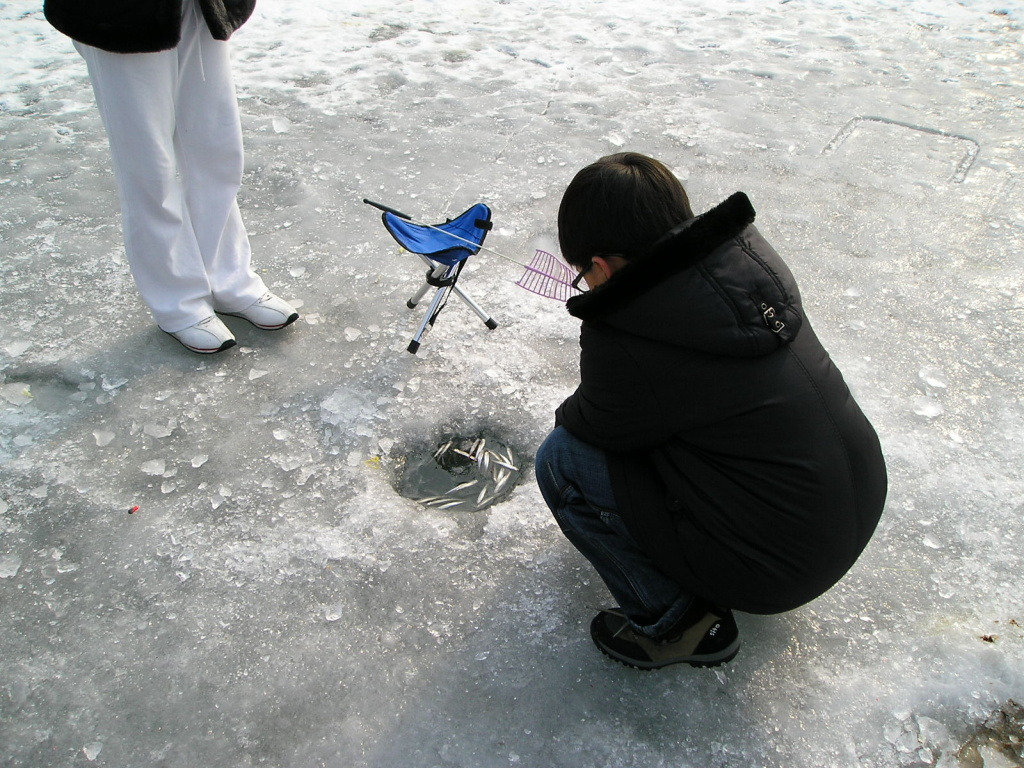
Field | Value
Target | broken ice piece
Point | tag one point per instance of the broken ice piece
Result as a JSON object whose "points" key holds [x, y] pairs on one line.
{"points": [[257, 374], [16, 348], [110, 385], [933, 378], [930, 409], [158, 430], [154, 467], [103, 437], [9, 566], [199, 459], [16, 393], [92, 750]]}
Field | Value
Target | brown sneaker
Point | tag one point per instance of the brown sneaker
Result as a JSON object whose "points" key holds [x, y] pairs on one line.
{"points": [[704, 637]]}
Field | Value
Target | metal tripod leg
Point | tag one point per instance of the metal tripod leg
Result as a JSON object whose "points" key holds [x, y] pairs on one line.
{"points": [[441, 272], [437, 274], [428, 319], [475, 307]]}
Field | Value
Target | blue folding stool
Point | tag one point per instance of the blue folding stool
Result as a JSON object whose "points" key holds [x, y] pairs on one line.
{"points": [[445, 248]]}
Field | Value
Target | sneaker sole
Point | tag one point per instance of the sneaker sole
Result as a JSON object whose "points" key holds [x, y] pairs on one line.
{"points": [[715, 660], [204, 350], [285, 324]]}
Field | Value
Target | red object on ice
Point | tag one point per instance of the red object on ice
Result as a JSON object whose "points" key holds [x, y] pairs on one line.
{"points": [[133, 510]]}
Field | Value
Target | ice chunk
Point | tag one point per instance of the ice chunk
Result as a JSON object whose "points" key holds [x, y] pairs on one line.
{"points": [[154, 467], [159, 430], [199, 459], [996, 758], [110, 385], [103, 437], [933, 378], [16, 393], [9, 566], [928, 408], [16, 348], [345, 407], [92, 750]]}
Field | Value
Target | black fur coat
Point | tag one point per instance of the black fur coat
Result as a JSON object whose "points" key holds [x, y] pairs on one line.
{"points": [[140, 26], [738, 458]]}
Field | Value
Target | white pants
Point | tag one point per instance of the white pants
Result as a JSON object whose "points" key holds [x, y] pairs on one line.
{"points": [[176, 141]]}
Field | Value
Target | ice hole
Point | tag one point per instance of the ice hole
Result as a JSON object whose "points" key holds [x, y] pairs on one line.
{"points": [[462, 474]]}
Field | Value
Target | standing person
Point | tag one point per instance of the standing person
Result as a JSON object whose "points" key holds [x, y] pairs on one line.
{"points": [[712, 457], [160, 73]]}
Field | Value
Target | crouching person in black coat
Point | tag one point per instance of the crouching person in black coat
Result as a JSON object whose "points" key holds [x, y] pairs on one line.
{"points": [[712, 458]]}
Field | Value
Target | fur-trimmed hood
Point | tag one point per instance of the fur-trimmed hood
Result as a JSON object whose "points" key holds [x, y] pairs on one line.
{"points": [[712, 284]]}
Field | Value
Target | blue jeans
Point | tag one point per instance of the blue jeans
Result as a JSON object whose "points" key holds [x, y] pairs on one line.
{"points": [[574, 481]]}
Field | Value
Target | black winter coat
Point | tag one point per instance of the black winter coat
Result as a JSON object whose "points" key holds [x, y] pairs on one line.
{"points": [[738, 457], [140, 26]]}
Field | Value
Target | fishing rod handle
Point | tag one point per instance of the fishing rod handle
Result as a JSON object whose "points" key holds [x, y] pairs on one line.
{"points": [[387, 209]]}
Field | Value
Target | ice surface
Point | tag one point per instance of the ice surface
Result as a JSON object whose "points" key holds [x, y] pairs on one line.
{"points": [[274, 601]]}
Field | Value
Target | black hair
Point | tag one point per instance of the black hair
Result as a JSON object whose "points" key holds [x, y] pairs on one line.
{"points": [[619, 205]]}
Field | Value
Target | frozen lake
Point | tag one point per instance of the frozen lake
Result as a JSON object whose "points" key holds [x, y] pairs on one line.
{"points": [[274, 601]]}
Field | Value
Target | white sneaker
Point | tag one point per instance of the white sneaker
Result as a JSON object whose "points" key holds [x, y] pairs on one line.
{"points": [[206, 337], [269, 313]]}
